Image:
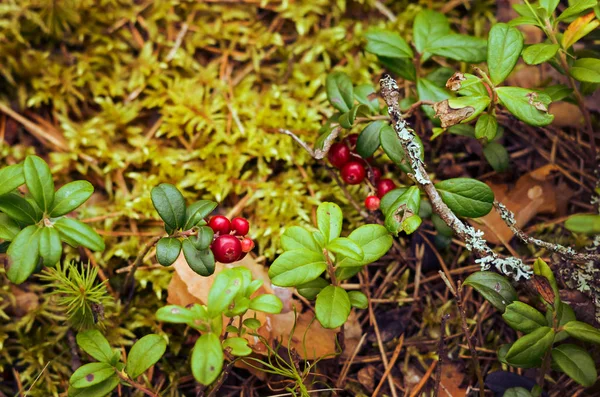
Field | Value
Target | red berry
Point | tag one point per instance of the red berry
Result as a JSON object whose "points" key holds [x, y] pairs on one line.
{"points": [[220, 224], [351, 139], [226, 248], [338, 155], [353, 172], [384, 186], [247, 244], [375, 174], [240, 226], [372, 203]]}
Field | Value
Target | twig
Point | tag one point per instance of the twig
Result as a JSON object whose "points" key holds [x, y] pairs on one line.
{"points": [[391, 366], [222, 379], [137, 262], [385, 11], [441, 353], [136, 385], [316, 153]]}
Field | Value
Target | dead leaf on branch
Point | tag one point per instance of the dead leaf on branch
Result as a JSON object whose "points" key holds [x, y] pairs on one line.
{"points": [[454, 83], [450, 116]]}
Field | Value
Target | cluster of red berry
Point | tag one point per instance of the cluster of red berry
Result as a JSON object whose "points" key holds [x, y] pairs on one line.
{"points": [[353, 170], [230, 243]]}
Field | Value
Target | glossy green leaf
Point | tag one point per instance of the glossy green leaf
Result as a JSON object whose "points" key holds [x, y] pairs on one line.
{"points": [[23, 254], [296, 237], [486, 127], [582, 331], [50, 246], [170, 205], [495, 288], [466, 197], [522, 317], [332, 307], [222, 292], [101, 389], [195, 213], [177, 315], [526, 104], [565, 314], [584, 223], [459, 47], [368, 140], [389, 199], [91, 374], [145, 353], [95, 344], [311, 289], [19, 209], [167, 250], [80, 233], [517, 392], [12, 177], [252, 323], [577, 363], [267, 303], [363, 92], [586, 70], [207, 358], [503, 49], [558, 92], [375, 242], [239, 346], [8, 227], [528, 350], [576, 8], [358, 299], [347, 119], [346, 247], [387, 44], [549, 5], [538, 53], [402, 67], [429, 91], [429, 26], [329, 220], [340, 91], [472, 86], [203, 239], [497, 156], [71, 196], [296, 267], [38, 179], [201, 262], [393, 148]]}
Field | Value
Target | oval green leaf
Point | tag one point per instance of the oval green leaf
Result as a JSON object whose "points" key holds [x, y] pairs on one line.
{"points": [[167, 250], [207, 358], [526, 105], [538, 53], [375, 242], [522, 317], [296, 267], [503, 49], [95, 344], [50, 246], [12, 177], [358, 299], [332, 307], [368, 140], [91, 374], [80, 233], [19, 209], [582, 331], [528, 350], [387, 44], [23, 254], [195, 213], [497, 156], [71, 196], [201, 262], [495, 288], [170, 205], [346, 247], [466, 197], [584, 223], [239, 346], [297, 237], [8, 227], [267, 303], [576, 362], [311, 289], [329, 220], [340, 91], [38, 179], [145, 353]]}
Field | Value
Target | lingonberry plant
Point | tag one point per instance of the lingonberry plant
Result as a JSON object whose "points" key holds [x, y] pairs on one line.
{"points": [[34, 225], [101, 377], [309, 254], [232, 294]]}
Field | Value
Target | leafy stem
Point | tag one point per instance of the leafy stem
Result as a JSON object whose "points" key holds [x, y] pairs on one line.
{"points": [[136, 385]]}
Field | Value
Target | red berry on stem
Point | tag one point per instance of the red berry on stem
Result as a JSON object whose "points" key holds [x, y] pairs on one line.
{"points": [[372, 203], [353, 172], [226, 248], [338, 155], [351, 139], [384, 186], [240, 226], [247, 244], [220, 224], [375, 174]]}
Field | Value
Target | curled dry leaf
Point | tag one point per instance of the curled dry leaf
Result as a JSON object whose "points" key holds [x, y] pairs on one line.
{"points": [[454, 83], [450, 116]]}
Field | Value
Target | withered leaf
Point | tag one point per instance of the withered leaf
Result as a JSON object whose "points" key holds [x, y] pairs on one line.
{"points": [[454, 83], [449, 116]]}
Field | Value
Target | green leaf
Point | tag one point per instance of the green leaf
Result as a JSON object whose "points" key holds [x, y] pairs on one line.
{"points": [[549, 5], [375, 242], [222, 292], [239, 346], [368, 140], [517, 392], [346, 247], [586, 69], [177, 315], [402, 67], [362, 93], [538, 53], [497, 156], [297, 237], [339, 91], [459, 47], [170, 205], [296, 267], [577, 8], [344, 273], [565, 314], [393, 148], [252, 323], [486, 127], [398, 215], [429, 91], [207, 358], [195, 213], [91, 374], [201, 262], [558, 92], [80, 233], [389, 199], [503, 49], [12, 177], [8, 227], [39, 181], [71, 196], [583, 223], [466, 197], [577, 363], [19, 209], [329, 220], [522, 104], [387, 44], [429, 26], [332, 307], [358, 299], [203, 239], [522, 317], [167, 250], [50, 246], [23, 254], [267, 303], [528, 350], [582, 331], [101, 389], [472, 86], [311, 289], [495, 288], [95, 344], [346, 120], [145, 353]]}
